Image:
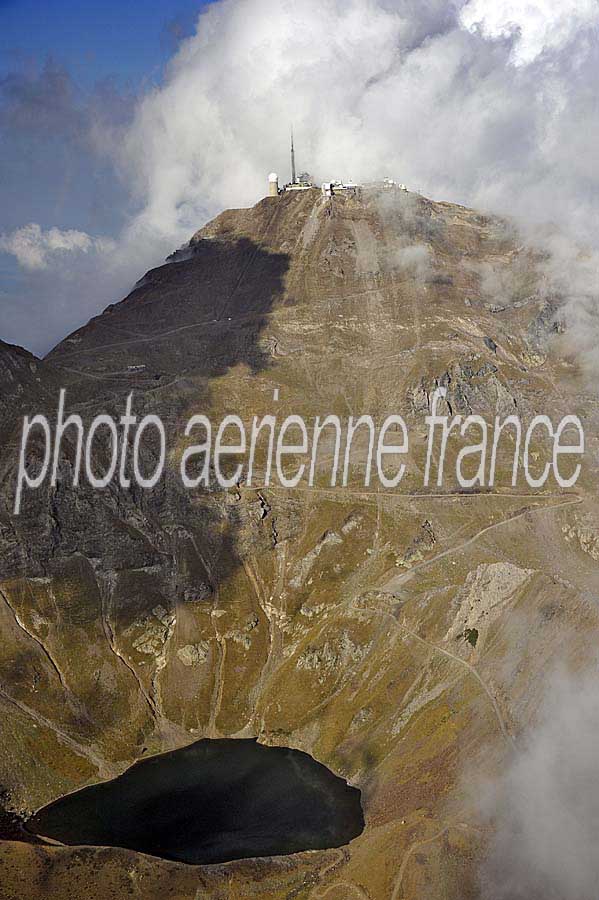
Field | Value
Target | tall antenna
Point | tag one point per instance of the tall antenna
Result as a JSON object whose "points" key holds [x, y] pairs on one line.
{"points": [[293, 178]]}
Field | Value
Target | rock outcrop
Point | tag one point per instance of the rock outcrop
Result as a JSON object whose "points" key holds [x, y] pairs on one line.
{"points": [[334, 621]]}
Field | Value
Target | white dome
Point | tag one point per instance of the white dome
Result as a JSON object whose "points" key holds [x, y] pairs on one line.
{"points": [[273, 176]]}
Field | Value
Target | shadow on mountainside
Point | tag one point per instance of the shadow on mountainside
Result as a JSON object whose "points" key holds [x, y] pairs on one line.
{"points": [[119, 557]]}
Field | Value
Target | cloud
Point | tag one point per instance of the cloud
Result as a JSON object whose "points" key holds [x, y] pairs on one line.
{"points": [[36, 249], [45, 103], [409, 91], [545, 809], [416, 259], [537, 25], [571, 273], [490, 103], [56, 172]]}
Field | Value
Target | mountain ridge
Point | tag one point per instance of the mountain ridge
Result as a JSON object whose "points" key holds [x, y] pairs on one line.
{"points": [[333, 622]]}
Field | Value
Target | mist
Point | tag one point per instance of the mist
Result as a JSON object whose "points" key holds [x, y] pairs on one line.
{"points": [[489, 104], [545, 808]]}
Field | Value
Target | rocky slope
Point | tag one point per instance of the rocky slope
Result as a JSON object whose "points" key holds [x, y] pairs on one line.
{"points": [[331, 620]]}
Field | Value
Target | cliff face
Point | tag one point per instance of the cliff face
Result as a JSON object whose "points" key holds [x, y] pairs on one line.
{"points": [[332, 620]]}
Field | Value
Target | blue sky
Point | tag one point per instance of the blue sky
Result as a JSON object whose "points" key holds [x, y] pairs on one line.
{"points": [[108, 161], [66, 65], [125, 40]]}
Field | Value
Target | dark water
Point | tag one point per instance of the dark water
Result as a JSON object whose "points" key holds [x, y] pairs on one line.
{"points": [[213, 801]]}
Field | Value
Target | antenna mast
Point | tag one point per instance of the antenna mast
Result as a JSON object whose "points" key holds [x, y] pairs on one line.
{"points": [[293, 178]]}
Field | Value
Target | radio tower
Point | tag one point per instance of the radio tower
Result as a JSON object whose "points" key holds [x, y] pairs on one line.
{"points": [[293, 178]]}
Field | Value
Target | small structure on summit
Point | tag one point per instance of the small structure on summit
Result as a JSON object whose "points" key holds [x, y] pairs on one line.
{"points": [[273, 185], [304, 182], [330, 188], [301, 183], [391, 184]]}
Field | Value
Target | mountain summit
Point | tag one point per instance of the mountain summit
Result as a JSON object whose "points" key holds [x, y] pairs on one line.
{"points": [[399, 637]]}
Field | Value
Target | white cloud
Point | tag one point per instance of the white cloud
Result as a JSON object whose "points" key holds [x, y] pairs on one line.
{"points": [[373, 88], [537, 25], [35, 248], [491, 103], [209, 137], [545, 810], [415, 258], [411, 89]]}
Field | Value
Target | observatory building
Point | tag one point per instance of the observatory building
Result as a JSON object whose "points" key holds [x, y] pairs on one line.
{"points": [[304, 182]]}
